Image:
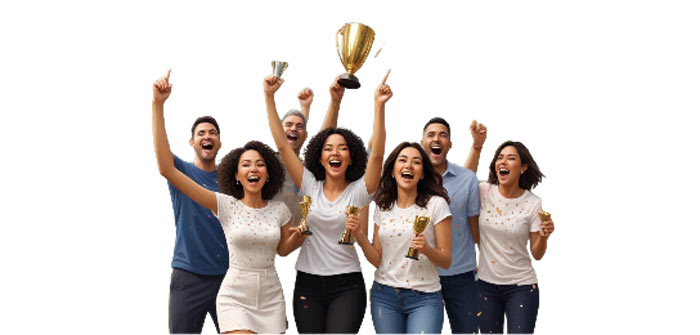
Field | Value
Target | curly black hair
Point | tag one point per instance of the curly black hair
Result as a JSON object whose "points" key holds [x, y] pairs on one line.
{"points": [[530, 178], [229, 167], [358, 154], [430, 185]]}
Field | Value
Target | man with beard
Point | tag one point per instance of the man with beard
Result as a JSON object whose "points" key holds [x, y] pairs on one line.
{"points": [[458, 282]]}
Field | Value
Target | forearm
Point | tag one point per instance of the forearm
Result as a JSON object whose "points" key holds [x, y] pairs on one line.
{"points": [[439, 257], [331, 119], [371, 253], [472, 162], [305, 110], [378, 140], [474, 227], [164, 156], [288, 245], [539, 247]]}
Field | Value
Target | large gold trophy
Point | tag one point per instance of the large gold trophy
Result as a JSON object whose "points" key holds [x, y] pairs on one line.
{"points": [[353, 42], [419, 225], [347, 235], [278, 68], [305, 207]]}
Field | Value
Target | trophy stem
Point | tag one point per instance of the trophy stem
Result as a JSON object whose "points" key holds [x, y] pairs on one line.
{"points": [[348, 80], [347, 238], [412, 254]]}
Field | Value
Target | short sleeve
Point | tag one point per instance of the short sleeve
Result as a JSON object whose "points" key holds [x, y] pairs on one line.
{"points": [[440, 210], [535, 222], [285, 214], [308, 183], [377, 216], [473, 208], [224, 204], [483, 192]]}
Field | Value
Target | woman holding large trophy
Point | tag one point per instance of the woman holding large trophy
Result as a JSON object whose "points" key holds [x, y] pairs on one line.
{"points": [[412, 236], [329, 294]]}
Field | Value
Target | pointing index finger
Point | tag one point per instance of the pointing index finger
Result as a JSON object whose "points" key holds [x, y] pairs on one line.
{"points": [[167, 77], [385, 77]]}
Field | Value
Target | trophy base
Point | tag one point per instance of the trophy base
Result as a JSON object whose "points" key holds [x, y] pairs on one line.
{"points": [[344, 243], [349, 81], [307, 232], [412, 257]]}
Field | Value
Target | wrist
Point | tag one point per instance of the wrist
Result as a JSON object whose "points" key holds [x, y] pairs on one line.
{"points": [[158, 102], [477, 147]]}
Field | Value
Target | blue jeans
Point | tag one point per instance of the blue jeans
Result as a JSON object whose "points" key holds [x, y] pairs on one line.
{"points": [[400, 310], [519, 303], [459, 293]]}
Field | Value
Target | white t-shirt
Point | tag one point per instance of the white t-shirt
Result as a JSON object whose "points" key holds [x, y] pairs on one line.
{"points": [[504, 229], [321, 254], [252, 234], [395, 235], [289, 196]]}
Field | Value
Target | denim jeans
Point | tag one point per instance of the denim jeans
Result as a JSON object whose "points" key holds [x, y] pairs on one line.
{"points": [[399, 310], [520, 304], [459, 293]]}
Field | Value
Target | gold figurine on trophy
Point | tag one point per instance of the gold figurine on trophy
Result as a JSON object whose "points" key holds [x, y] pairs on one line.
{"points": [[353, 42], [305, 207], [347, 236], [419, 225], [544, 216]]}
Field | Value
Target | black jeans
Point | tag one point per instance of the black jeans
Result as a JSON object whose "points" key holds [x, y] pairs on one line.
{"points": [[329, 304], [192, 296], [519, 303]]}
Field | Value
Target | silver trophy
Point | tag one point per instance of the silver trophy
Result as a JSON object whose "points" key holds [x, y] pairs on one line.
{"points": [[278, 68]]}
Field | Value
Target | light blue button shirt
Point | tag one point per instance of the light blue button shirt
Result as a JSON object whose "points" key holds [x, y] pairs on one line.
{"points": [[463, 188]]}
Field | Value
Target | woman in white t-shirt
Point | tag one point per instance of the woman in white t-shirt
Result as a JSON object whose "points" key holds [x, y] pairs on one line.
{"points": [[329, 293], [509, 219], [250, 298], [406, 296]]}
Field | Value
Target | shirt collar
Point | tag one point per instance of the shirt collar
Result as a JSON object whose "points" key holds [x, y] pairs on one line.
{"points": [[450, 169]]}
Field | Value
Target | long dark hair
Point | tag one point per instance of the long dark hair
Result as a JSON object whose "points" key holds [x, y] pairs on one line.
{"points": [[430, 185], [229, 167], [358, 154], [530, 178]]}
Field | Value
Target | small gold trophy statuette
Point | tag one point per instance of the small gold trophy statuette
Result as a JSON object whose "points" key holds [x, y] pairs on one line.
{"points": [[419, 226], [278, 67], [347, 236], [305, 206], [544, 216]]}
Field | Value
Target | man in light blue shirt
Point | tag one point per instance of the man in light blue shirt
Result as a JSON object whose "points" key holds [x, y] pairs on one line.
{"points": [[458, 282]]}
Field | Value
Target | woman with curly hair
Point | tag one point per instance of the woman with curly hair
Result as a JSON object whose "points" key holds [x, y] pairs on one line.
{"points": [[406, 296], [329, 294], [250, 298], [510, 218]]}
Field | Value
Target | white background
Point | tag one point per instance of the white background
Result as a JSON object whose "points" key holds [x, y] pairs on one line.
{"points": [[604, 93]]}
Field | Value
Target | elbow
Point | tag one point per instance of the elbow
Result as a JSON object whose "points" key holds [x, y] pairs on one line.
{"points": [[537, 257], [447, 263]]}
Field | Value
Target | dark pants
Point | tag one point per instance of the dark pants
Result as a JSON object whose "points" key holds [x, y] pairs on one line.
{"points": [[329, 304], [459, 294], [519, 303], [192, 296]]}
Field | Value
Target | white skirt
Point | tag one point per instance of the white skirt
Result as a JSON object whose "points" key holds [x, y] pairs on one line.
{"points": [[251, 299]]}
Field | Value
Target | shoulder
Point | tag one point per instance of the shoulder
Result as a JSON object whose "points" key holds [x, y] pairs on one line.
{"points": [[532, 197], [437, 201], [461, 172]]}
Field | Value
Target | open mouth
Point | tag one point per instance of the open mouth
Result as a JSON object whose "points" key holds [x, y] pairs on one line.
{"points": [[253, 179], [436, 149], [334, 163], [291, 137], [503, 172], [207, 146], [406, 175]]}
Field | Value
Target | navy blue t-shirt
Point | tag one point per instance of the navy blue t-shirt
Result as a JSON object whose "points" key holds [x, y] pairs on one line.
{"points": [[200, 244]]}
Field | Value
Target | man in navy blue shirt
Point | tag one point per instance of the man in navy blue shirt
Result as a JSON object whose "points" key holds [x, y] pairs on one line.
{"points": [[200, 259], [458, 282]]}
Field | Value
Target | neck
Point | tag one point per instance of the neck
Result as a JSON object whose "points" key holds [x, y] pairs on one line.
{"points": [[253, 200], [335, 184], [208, 166], [510, 191], [406, 198], [441, 168]]}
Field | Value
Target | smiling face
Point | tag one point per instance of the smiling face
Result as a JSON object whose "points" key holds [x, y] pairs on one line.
{"points": [[335, 157], [294, 129], [408, 169], [251, 172], [205, 142], [436, 142], [509, 166]]}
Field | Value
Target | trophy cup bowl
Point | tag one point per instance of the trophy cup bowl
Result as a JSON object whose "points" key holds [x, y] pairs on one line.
{"points": [[347, 236], [278, 68], [419, 225], [353, 42], [305, 207]]}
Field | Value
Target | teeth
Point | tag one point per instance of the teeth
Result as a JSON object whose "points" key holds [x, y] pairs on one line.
{"points": [[253, 179], [406, 173], [334, 162]]}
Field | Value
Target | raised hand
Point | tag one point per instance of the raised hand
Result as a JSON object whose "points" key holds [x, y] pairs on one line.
{"points": [[306, 96], [336, 90], [271, 84], [162, 88], [383, 92], [478, 131]]}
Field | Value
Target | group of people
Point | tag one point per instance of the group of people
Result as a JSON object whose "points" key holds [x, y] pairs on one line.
{"points": [[233, 218]]}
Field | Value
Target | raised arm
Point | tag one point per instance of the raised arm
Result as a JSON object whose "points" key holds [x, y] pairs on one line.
{"points": [[292, 163], [378, 140], [478, 131], [331, 119], [166, 161], [306, 97]]}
